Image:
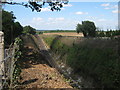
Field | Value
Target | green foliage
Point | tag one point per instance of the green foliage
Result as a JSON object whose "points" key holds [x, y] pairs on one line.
{"points": [[37, 6], [10, 28], [79, 28], [53, 31], [17, 55], [98, 63], [39, 32], [18, 41], [88, 28], [108, 33], [29, 30], [95, 58], [100, 34], [49, 40], [17, 29], [58, 46]]}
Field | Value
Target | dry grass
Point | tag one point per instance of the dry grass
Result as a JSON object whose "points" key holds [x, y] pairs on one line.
{"points": [[65, 34]]}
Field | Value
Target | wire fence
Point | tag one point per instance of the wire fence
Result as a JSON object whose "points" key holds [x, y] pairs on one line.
{"points": [[7, 67]]}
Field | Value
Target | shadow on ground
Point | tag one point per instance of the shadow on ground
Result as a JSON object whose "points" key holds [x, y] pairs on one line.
{"points": [[31, 57], [29, 81]]}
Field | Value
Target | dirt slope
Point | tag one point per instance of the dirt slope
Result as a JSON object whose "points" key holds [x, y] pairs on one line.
{"points": [[36, 72]]}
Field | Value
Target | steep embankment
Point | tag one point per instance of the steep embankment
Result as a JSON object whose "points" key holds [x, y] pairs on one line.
{"points": [[95, 58], [36, 70]]}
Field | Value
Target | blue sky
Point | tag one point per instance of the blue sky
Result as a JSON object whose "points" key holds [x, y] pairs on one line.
{"points": [[103, 14]]}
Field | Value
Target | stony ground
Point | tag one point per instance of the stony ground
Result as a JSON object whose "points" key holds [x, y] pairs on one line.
{"points": [[42, 76], [36, 72]]}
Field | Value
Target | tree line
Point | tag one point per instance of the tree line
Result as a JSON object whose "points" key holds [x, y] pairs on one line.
{"points": [[108, 33], [89, 29], [13, 29]]}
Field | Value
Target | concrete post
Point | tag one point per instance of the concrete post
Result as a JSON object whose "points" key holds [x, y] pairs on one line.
{"points": [[1, 46], [1, 57]]}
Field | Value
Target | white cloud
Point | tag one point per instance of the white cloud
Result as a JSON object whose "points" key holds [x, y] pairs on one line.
{"points": [[60, 19], [81, 13], [37, 19], [64, 23], [115, 11], [107, 8], [62, 8], [67, 5], [56, 19], [115, 6], [101, 20], [56, 23], [50, 19], [45, 9], [105, 5], [110, 6], [91, 17]]}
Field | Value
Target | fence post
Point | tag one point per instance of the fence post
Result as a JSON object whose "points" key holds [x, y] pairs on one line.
{"points": [[1, 57]]}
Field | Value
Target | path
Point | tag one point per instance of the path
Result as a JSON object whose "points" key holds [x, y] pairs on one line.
{"points": [[36, 71]]}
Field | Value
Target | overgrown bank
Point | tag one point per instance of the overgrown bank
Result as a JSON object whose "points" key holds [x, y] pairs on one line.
{"points": [[96, 58]]}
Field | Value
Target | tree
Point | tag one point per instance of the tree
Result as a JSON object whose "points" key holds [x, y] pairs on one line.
{"points": [[36, 5], [88, 28], [108, 33], [101, 34], [29, 30], [17, 29], [79, 28], [10, 28]]}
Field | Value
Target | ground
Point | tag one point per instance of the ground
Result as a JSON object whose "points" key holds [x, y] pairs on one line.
{"points": [[65, 34], [36, 71]]}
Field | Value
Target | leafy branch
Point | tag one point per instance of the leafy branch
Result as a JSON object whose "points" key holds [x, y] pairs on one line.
{"points": [[18, 53], [36, 6]]}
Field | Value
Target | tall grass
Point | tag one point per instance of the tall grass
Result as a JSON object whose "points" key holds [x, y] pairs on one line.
{"points": [[97, 58]]}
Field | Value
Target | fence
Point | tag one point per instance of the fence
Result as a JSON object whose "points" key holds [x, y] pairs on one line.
{"points": [[7, 67]]}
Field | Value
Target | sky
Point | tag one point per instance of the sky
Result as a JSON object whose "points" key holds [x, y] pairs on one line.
{"points": [[103, 14]]}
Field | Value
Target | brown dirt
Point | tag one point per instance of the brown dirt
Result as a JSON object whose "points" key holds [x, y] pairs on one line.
{"points": [[65, 34], [42, 76], [36, 72]]}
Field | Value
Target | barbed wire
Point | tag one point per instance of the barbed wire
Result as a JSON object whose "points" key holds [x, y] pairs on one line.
{"points": [[8, 67]]}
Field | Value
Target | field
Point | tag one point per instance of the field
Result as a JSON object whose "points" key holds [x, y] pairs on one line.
{"points": [[65, 34]]}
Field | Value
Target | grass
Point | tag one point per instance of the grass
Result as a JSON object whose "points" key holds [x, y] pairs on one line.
{"points": [[97, 58], [49, 39]]}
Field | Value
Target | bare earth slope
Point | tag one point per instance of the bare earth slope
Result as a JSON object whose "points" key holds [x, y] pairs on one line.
{"points": [[36, 72]]}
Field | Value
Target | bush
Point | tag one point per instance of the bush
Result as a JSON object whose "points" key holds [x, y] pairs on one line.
{"points": [[98, 59]]}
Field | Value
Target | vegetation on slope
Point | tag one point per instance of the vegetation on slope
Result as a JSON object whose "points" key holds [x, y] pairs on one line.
{"points": [[97, 58]]}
